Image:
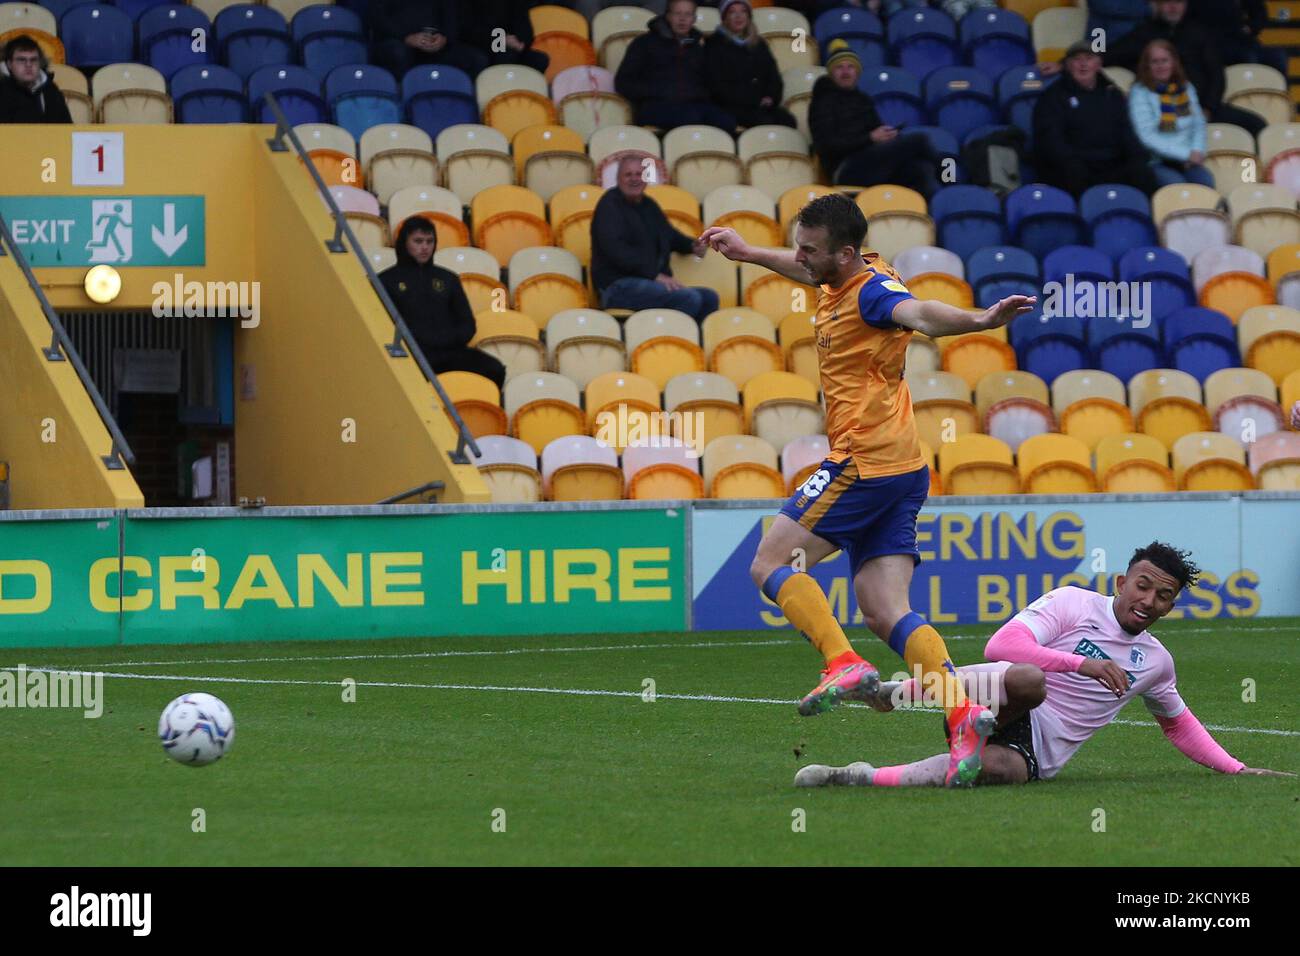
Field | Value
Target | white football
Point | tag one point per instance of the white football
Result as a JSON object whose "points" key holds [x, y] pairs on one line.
{"points": [[196, 729]]}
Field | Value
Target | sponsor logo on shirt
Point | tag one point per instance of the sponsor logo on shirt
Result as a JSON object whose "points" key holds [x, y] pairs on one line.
{"points": [[894, 286], [1086, 648], [816, 483]]}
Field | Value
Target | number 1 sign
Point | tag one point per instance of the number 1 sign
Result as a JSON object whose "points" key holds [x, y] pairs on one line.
{"points": [[98, 159]]}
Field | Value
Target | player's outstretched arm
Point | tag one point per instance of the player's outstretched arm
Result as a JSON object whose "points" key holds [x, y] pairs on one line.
{"points": [[934, 318], [1191, 738], [730, 244]]}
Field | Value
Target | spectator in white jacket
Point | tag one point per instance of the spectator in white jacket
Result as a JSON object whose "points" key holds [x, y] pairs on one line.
{"points": [[1167, 118]]}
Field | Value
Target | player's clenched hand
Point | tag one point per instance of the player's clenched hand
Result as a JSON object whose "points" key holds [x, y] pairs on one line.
{"points": [[1107, 673], [1261, 772], [726, 241]]}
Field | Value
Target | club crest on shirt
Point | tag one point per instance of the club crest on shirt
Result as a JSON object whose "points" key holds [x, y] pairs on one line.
{"points": [[438, 285], [816, 483], [401, 287], [1136, 656]]}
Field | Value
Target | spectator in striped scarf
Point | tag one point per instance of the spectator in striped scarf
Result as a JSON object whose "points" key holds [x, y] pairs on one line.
{"points": [[1166, 115]]}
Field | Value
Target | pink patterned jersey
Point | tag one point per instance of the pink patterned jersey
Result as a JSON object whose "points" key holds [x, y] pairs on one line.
{"points": [[1077, 621]]}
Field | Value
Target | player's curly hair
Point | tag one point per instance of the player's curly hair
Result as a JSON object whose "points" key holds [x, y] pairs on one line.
{"points": [[845, 224], [1177, 564]]}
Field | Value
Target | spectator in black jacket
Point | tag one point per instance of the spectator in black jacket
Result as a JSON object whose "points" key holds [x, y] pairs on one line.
{"points": [[1235, 25], [514, 44], [742, 74], [631, 240], [27, 90], [1199, 51], [663, 74], [409, 33], [1082, 135], [855, 146], [433, 304]]}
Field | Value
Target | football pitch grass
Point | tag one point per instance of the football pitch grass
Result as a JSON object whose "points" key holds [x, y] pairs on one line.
{"points": [[551, 737]]}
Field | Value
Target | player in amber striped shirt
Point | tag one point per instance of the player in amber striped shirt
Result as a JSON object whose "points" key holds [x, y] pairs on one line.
{"points": [[865, 497]]}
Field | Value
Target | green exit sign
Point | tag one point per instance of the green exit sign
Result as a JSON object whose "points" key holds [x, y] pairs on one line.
{"points": [[113, 230]]}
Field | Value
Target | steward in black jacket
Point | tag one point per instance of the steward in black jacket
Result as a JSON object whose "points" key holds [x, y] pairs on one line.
{"points": [[663, 75]]}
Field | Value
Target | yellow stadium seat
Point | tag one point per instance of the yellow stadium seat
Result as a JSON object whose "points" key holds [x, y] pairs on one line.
{"points": [[1210, 461], [1190, 219], [741, 343], [1031, 8], [613, 28], [572, 209], [780, 27], [27, 18], [747, 210], [439, 206], [798, 84], [1284, 274], [941, 404], [1079, 384], [507, 219], [775, 173], [565, 50], [741, 466], [584, 344], [1090, 405], [550, 158], [801, 457], [780, 406], [978, 465], [479, 276], [711, 271], [135, 93], [1235, 396], [1269, 340], [711, 400], [662, 344], [945, 288], [896, 219], [1275, 462], [511, 338], [923, 354], [1230, 151], [1260, 89], [72, 83], [798, 343], [581, 468], [552, 18], [1013, 406], [1291, 390], [1134, 464], [681, 208], [587, 111], [702, 158], [976, 354], [545, 280], [1056, 465], [622, 397], [661, 472], [394, 156], [793, 200], [936, 481], [513, 97], [774, 295], [542, 407], [1166, 404], [889, 199], [1264, 216], [474, 158], [509, 469], [477, 401]]}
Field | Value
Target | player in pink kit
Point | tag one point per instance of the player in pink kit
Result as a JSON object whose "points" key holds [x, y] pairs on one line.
{"points": [[1063, 668]]}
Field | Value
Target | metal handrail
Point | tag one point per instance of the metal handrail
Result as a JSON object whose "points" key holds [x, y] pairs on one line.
{"points": [[335, 244], [121, 450]]}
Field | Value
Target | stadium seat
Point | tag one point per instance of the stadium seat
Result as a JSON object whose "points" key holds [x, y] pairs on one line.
{"points": [[1166, 404], [361, 210], [859, 28], [1279, 154], [361, 96], [793, 200], [1200, 341], [250, 37], [967, 219], [1166, 276], [295, 88], [507, 219], [712, 400], [95, 35], [571, 212], [1091, 405], [394, 156], [1264, 216], [934, 273], [1290, 386], [1189, 219], [613, 29], [1260, 89], [776, 159], [780, 406], [513, 97], [436, 98], [584, 345], [1118, 218], [291, 8], [131, 93], [76, 93], [552, 18], [1124, 347], [702, 158], [586, 100], [1055, 465], [664, 471], [799, 346], [167, 40], [994, 41], [711, 271], [333, 152], [741, 466], [542, 407], [663, 344], [1243, 403], [479, 275], [1013, 406], [798, 84], [681, 208], [941, 404], [748, 210], [773, 294], [550, 158], [511, 338], [1269, 340], [1134, 464], [1275, 462], [1018, 90], [995, 272], [1230, 279], [896, 219], [566, 51], [474, 158], [961, 99], [922, 354], [27, 17], [619, 398], [1040, 218], [207, 94], [740, 343], [327, 36], [545, 280], [1078, 266], [976, 354], [1049, 345], [581, 468], [1210, 461], [508, 467], [1229, 152], [381, 259], [801, 457], [1283, 267], [438, 206], [1054, 29], [477, 401], [609, 144], [975, 464], [922, 39], [897, 95]]}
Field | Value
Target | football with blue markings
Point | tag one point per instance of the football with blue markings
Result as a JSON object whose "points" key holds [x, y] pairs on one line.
{"points": [[196, 729]]}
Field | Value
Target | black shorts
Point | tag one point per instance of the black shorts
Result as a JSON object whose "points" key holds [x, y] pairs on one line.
{"points": [[1018, 736]]}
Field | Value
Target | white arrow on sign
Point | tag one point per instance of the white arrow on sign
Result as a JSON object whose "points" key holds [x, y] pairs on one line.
{"points": [[168, 239]]}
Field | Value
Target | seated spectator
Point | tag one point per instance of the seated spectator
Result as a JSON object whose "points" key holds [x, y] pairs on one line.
{"points": [[484, 17], [663, 74], [1166, 117], [1235, 26], [407, 34], [742, 74], [27, 90], [1082, 135], [854, 144], [631, 240], [1199, 52], [433, 304]]}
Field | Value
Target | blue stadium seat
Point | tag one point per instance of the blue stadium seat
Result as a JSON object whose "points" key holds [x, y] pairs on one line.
{"points": [[208, 94], [296, 89], [1085, 263], [1200, 341], [967, 218], [134, 8], [1040, 218], [167, 40], [1124, 348], [996, 272], [995, 40], [960, 99], [436, 97], [96, 35], [251, 37], [1018, 91], [328, 36], [1119, 218], [60, 7], [1048, 345], [1168, 275], [860, 29], [361, 96], [922, 39], [897, 95], [945, 146]]}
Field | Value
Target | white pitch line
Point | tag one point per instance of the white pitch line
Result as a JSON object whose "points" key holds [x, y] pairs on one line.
{"points": [[570, 691]]}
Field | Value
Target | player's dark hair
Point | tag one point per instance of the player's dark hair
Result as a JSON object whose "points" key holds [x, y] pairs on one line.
{"points": [[1177, 564], [844, 222]]}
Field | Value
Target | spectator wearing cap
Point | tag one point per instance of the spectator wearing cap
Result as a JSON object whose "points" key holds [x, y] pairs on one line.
{"points": [[1166, 117], [27, 90], [1082, 135], [854, 145], [663, 74], [742, 74]]}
